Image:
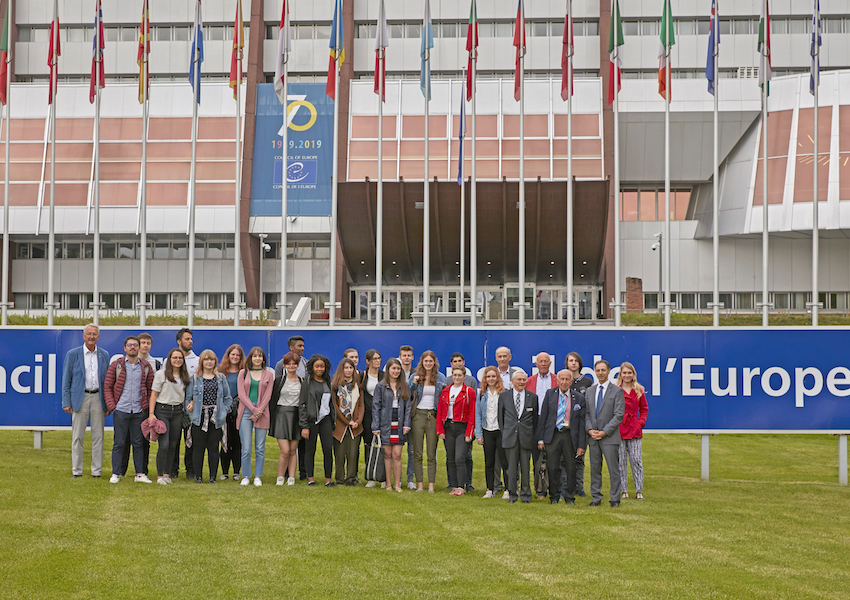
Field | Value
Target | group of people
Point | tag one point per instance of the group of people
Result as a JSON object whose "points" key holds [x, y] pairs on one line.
{"points": [[224, 409]]}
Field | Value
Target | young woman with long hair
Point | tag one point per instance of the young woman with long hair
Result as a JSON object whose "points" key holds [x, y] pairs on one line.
{"points": [[166, 404], [255, 390], [348, 404], [232, 362], [208, 403], [425, 392], [286, 396], [456, 426], [391, 419], [371, 377], [631, 429], [487, 431], [317, 417]]}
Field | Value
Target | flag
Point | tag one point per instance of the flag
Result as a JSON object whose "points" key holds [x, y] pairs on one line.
{"points": [[382, 40], [144, 53], [615, 40], [98, 76], [284, 47], [519, 42], [567, 52], [709, 63], [197, 51], [764, 47], [471, 47], [426, 43], [238, 45], [54, 51], [814, 76], [668, 38], [337, 46], [461, 133], [4, 56]]}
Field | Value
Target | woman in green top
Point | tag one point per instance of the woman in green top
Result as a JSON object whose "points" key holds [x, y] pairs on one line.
{"points": [[255, 390]]}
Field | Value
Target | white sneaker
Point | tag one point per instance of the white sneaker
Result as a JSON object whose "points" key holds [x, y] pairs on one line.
{"points": [[489, 494], [506, 495], [142, 478], [168, 480], [114, 479], [245, 481], [371, 483], [280, 480], [411, 485], [223, 477], [161, 481], [258, 482], [290, 481], [383, 485]]}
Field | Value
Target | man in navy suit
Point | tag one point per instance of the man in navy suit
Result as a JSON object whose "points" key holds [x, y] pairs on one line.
{"points": [[518, 423], [562, 432], [606, 406], [83, 374]]}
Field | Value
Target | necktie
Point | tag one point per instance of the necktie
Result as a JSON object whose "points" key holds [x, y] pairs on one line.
{"points": [[518, 401], [562, 410], [599, 403]]}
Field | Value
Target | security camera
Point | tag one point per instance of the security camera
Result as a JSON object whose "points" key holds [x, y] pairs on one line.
{"points": [[656, 246], [266, 247]]}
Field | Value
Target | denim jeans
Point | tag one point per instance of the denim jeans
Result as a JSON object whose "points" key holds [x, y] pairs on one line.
{"points": [[246, 428], [128, 426]]}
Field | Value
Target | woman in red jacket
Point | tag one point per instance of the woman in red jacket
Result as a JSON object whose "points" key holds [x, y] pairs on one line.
{"points": [[631, 428], [456, 425]]}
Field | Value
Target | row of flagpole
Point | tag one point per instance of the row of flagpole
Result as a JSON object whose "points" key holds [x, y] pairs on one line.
{"points": [[382, 41]]}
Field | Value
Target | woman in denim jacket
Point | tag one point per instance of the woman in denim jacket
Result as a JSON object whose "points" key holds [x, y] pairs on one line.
{"points": [[208, 401], [424, 397]]}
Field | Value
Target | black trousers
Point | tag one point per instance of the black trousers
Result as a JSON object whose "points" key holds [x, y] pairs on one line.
{"points": [[456, 449], [518, 459], [187, 456], [233, 456], [495, 458], [323, 430], [365, 437], [561, 452], [169, 441], [205, 441]]}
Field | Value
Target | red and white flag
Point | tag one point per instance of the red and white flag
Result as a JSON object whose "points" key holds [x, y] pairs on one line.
{"points": [[471, 48], [519, 42], [54, 51], [284, 47], [567, 52]]}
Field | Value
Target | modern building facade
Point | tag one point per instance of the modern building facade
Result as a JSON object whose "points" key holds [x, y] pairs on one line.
{"points": [[309, 225]]}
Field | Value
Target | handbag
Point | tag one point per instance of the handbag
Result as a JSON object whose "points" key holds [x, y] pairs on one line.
{"points": [[375, 470]]}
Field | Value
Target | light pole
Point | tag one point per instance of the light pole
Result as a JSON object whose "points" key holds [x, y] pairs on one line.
{"points": [[657, 246], [264, 247]]}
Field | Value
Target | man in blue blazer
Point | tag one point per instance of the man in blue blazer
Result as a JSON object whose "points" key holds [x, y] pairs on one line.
{"points": [[83, 374], [606, 406], [561, 431]]}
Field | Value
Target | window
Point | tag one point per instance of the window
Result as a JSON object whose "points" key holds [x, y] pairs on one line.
{"points": [[108, 300], [650, 301], [798, 25], [323, 32], [540, 29], [199, 248], [160, 301], [647, 205], [160, 251], [38, 251], [741, 26], [504, 29], [304, 250], [161, 33], [798, 300], [74, 301], [631, 28], [108, 251], [178, 301], [558, 29], [725, 27], [366, 30], [215, 250], [215, 33], [703, 27], [688, 302], [412, 30], [486, 30], [229, 252], [57, 251], [88, 251], [180, 251], [591, 28], [37, 301], [449, 30], [213, 301], [125, 301], [22, 251], [779, 26], [72, 251], [322, 250], [396, 30], [726, 300], [76, 34], [129, 34], [650, 28], [832, 25], [125, 250], [180, 34], [780, 301], [687, 27]]}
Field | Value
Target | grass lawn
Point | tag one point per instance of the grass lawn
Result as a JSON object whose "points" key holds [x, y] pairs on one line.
{"points": [[772, 523]]}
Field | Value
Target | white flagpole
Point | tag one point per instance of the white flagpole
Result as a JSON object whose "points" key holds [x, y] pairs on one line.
{"points": [[5, 293], [379, 224], [426, 205], [143, 230], [473, 210], [284, 212], [51, 215], [570, 225], [521, 303], [331, 305], [616, 303], [815, 231], [460, 307], [238, 203], [666, 246], [715, 205], [190, 300], [765, 305], [96, 253]]}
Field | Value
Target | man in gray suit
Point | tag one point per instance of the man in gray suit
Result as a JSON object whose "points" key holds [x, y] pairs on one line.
{"points": [[518, 423], [605, 409]]}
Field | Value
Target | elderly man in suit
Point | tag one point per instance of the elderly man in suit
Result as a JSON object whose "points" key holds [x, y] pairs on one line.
{"points": [[561, 431], [83, 374], [605, 409], [518, 423]]}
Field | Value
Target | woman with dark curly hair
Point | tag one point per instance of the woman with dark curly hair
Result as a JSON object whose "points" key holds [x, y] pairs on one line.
{"points": [[317, 417]]}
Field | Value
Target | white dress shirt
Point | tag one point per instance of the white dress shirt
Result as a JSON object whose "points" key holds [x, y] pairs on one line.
{"points": [[90, 358]]}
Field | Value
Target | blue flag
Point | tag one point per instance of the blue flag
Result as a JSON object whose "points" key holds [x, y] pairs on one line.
{"points": [[197, 51], [427, 42], [814, 75], [709, 63], [461, 132]]}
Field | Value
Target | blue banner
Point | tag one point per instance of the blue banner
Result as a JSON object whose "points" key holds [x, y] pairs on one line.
{"points": [[309, 156], [753, 380]]}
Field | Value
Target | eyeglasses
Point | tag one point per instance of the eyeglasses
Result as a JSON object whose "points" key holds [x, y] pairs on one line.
{"points": [[131, 345]]}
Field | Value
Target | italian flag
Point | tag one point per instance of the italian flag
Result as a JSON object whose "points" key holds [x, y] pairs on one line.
{"points": [[4, 56], [471, 47], [667, 41], [764, 47], [615, 40]]}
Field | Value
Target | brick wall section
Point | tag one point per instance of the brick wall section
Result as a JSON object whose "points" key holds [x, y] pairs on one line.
{"points": [[634, 294]]}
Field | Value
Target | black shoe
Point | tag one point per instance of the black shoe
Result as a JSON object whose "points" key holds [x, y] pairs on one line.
{"points": [[198, 480], [75, 476], [96, 476], [470, 489], [526, 501], [554, 500], [595, 503], [311, 482], [212, 479], [615, 505], [190, 476], [511, 500], [350, 483], [581, 494], [330, 484]]}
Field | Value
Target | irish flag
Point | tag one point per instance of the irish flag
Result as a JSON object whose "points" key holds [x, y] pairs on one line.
{"points": [[667, 41], [764, 47], [615, 40]]}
